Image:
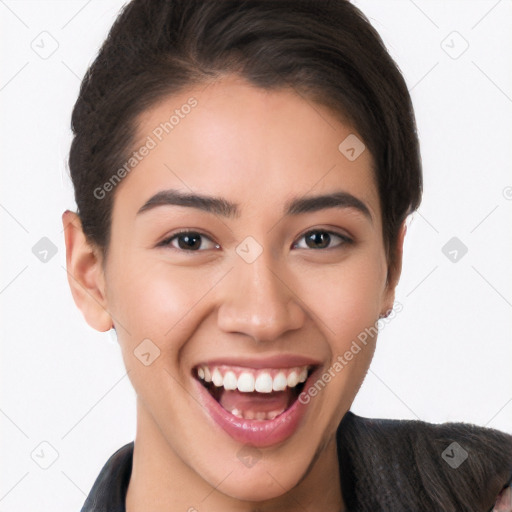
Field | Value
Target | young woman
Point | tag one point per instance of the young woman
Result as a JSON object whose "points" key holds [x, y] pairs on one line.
{"points": [[243, 171]]}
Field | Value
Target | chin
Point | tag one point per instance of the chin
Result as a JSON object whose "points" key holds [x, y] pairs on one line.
{"points": [[260, 485]]}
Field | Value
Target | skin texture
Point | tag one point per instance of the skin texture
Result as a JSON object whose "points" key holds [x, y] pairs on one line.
{"points": [[258, 149]]}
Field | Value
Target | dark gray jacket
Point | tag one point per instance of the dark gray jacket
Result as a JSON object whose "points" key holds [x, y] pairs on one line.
{"points": [[385, 465]]}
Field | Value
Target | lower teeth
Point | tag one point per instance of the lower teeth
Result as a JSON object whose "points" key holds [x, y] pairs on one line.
{"points": [[252, 415], [248, 414]]}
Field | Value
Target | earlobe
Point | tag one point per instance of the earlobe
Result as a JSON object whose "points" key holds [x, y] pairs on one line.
{"points": [[85, 274]]}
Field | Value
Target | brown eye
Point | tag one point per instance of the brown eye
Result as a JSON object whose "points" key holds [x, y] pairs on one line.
{"points": [[190, 241], [321, 239]]}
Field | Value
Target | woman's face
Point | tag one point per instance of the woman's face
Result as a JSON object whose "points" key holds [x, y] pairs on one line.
{"points": [[248, 292]]}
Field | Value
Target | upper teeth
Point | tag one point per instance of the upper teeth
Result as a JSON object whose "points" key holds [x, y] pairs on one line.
{"points": [[247, 380]]}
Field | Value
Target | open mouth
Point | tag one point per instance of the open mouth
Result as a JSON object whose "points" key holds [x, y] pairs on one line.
{"points": [[254, 394]]}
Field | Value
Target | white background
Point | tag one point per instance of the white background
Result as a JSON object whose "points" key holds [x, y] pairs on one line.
{"points": [[446, 357]]}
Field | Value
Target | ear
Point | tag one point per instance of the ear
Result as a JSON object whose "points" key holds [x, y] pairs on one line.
{"points": [[394, 270], [85, 274]]}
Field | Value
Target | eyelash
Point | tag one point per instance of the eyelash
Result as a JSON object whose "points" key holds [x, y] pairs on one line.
{"points": [[345, 240]]}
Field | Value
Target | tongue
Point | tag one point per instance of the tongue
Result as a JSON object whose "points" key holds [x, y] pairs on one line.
{"points": [[257, 402]]}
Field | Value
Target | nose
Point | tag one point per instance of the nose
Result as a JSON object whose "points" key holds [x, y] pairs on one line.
{"points": [[259, 302]]}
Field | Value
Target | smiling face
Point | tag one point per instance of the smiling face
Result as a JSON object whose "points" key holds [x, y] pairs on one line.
{"points": [[263, 284]]}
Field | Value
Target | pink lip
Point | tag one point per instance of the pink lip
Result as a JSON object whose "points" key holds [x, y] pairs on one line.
{"points": [[277, 361], [257, 433]]}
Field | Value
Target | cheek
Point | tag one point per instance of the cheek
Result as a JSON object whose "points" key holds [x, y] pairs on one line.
{"points": [[159, 302], [349, 311], [348, 304], [155, 304], [347, 297]]}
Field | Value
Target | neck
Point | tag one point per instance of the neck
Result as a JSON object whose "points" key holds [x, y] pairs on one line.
{"points": [[162, 482]]}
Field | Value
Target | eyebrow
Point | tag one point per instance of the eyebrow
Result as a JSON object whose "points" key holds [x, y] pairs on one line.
{"points": [[225, 208]]}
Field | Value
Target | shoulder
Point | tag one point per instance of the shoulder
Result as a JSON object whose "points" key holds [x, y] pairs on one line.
{"points": [[400, 465], [108, 492]]}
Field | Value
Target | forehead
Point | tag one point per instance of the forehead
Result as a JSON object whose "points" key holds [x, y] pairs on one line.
{"points": [[256, 147]]}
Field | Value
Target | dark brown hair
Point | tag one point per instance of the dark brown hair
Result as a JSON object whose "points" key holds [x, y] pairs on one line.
{"points": [[327, 51]]}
